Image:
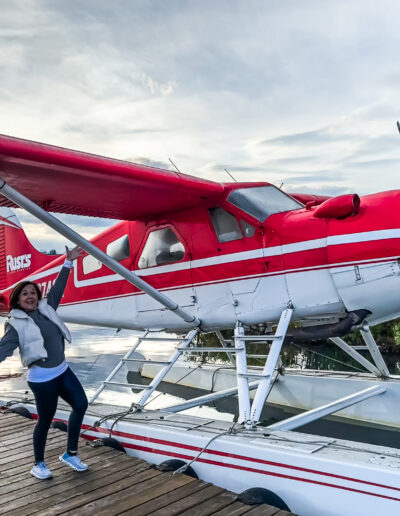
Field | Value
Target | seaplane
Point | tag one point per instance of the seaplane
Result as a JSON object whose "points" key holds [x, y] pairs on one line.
{"points": [[189, 256]]}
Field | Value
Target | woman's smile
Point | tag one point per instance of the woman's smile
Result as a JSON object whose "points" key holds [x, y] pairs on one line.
{"points": [[28, 298]]}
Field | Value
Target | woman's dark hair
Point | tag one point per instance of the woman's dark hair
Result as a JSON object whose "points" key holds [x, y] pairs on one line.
{"points": [[16, 291]]}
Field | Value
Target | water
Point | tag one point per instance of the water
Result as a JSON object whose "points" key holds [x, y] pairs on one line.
{"points": [[92, 355], [96, 351]]}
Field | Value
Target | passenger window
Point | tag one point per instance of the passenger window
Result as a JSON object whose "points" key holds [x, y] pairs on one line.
{"points": [[248, 229], [162, 247], [90, 264], [119, 249], [226, 226]]}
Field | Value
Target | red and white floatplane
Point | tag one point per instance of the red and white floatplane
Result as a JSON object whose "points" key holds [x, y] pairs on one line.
{"points": [[192, 256]]}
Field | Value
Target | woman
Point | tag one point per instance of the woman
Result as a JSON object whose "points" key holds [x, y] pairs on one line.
{"points": [[38, 331]]}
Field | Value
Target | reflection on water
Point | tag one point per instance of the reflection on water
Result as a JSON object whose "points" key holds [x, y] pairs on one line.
{"points": [[330, 357], [326, 357], [95, 352]]}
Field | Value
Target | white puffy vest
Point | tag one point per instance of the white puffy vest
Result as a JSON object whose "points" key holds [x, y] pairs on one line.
{"points": [[31, 346]]}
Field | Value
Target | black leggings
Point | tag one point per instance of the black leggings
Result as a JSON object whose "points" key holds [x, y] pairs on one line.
{"points": [[68, 387]]}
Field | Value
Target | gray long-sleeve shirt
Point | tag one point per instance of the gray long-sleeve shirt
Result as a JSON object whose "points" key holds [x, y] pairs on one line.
{"points": [[53, 339]]}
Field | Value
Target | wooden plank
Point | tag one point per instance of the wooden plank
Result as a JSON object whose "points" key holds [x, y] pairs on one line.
{"points": [[23, 444], [18, 423], [14, 436], [115, 483], [51, 455], [13, 430], [88, 492], [27, 456], [23, 481], [12, 475], [60, 475], [4, 416], [264, 510], [33, 497], [10, 416], [213, 504], [132, 496], [4, 412], [189, 502], [166, 499], [234, 509], [26, 445]]}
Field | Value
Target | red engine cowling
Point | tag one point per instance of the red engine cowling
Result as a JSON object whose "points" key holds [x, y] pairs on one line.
{"points": [[338, 207]]}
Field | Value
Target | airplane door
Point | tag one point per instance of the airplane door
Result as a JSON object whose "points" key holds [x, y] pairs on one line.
{"points": [[305, 258], [272, 295], [163, 260], [227, 265]]}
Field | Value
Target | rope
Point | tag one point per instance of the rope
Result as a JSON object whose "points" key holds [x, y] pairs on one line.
{"points": [[183, 468]]}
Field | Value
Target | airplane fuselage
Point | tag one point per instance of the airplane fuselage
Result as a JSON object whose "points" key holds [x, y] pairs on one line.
{"points": [[224, 265]]}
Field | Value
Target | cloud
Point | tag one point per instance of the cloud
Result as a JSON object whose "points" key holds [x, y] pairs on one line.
{"points": [[151, 163], [316, 137], [331, 190], [44, 238], [157, 87], [270, 91]]}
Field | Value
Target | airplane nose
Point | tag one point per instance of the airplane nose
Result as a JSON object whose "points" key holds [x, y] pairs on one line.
{"points": [[364, 249]]}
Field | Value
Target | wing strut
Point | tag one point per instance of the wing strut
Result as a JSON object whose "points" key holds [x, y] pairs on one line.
{"points": [[112, 264]]}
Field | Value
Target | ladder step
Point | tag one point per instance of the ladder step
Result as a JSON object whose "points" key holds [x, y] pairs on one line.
{"points": [[131, 385], [166, 339], [210, 350], [256, 356], [259, 338], [145, 361], [361, 347], [255, 375]]}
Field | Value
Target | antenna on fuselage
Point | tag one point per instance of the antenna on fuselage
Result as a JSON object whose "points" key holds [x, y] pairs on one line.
{"points": [[230, 175], [173, 164], [398, 126]]}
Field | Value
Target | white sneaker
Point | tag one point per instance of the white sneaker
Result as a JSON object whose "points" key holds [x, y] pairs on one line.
{"points": [[73, 461], [41, 471]]}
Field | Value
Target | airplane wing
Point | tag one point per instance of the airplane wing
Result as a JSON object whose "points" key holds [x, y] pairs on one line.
{"points": [[66, 181]]}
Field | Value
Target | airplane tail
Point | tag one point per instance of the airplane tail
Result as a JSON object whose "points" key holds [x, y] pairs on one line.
{"points": [[18, 257]]}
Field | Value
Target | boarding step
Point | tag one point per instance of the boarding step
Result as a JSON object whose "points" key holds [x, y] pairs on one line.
{"points": [[255, 375], [360, 348], [163, 339], [138, 386], [208, 350], [146, 361], [260, 338], [249, 413], [147, 390]]}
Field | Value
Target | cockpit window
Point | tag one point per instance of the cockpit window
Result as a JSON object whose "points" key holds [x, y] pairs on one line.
{"points": [[262, 201], [162, 247], [119, 249], [226, 226]]}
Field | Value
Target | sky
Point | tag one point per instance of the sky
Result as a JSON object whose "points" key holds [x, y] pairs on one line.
{"points": [[301, 93]]}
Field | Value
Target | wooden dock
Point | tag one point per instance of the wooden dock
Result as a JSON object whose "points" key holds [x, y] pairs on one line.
{"points": [[115, 483]]}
